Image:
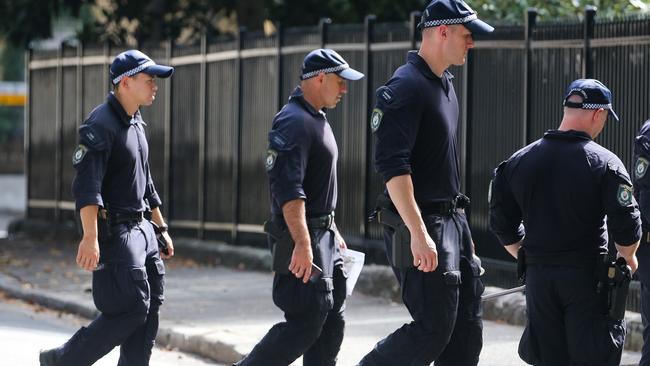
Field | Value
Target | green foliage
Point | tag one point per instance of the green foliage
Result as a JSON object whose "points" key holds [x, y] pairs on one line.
{"points": [[138, 21], [12, 63], [22, 21], [131, 21], [302, 12], [512, 11]]}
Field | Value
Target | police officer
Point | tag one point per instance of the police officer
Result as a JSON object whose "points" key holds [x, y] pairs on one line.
{"points": [[415, 123], [113, 190], [301, 166], [642, 194], [552, 197]]}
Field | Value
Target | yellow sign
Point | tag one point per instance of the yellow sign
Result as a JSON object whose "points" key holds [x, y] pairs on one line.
{"points": [[13, 93], [13, 100]]}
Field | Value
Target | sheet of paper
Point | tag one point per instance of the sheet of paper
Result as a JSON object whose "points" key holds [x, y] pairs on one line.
{"points": [[353, 262]]}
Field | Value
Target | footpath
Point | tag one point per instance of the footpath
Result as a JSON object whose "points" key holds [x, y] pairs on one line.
{"points": [[218, 301]]}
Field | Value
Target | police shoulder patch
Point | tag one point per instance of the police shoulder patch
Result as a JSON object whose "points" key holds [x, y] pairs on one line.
{"points": [[641, 167], [624, 194], [271, 156], [79, 154], [277, 139], [375, 119], [385, 94], [93, 138]]}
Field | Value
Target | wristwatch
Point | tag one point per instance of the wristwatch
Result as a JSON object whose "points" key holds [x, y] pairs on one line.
{"points": [[163, 228]]}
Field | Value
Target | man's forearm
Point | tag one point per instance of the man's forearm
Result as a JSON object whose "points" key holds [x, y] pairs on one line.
{"points": [[295, 218], [401, 192], [88, 216], [157, 217]]}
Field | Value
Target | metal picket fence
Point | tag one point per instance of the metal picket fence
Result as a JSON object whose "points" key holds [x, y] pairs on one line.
{"points": [[208, 127]]}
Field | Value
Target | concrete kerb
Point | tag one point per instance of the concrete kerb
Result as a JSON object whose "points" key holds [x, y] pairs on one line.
{"points": [[13, 289], [200, 345]]}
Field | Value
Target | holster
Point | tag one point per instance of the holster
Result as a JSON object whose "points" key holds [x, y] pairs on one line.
{"points": [[613, 286], [283, 247], [620, 276], [103, 224], [401, 255]]}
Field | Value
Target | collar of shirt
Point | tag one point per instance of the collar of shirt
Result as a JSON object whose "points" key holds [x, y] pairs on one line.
{"points": [[414, 58], [568, 135], [121, 113], [298, 96]]}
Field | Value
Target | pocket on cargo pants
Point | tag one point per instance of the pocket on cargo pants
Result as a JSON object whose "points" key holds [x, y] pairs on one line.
{"points": [[118, 289]]}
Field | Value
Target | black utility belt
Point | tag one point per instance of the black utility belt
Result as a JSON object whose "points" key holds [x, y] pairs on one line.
{"points": [[317, 222], [116, 218], [457, 204], [441, 212]]}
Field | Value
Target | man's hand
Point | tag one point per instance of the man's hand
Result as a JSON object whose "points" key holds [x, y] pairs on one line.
{"points": [[629, 253], [88, 253], [339, 238], [425, 255], [301, 261], [632, 261], [170, 246]]}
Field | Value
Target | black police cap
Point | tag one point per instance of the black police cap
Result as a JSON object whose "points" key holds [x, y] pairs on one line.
{"points": [[594, 93], [327, 61], [448, 12], [129, 63]]}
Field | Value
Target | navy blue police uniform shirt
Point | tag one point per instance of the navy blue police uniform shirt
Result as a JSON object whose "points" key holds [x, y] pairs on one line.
{"points": [[112, 161], [555, 194], [415, 124], [301, 158], [641, 176]]}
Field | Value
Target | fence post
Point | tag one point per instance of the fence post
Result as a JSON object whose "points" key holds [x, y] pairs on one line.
{"points": [[465, 152], [106, 83], [27, 115], [368, 24], [238, 140], [414, 18], [167, 136], [279, 40], [530, 21], [58, 136], [203, 77], [323, 25], [80, 84], [589, 24]]}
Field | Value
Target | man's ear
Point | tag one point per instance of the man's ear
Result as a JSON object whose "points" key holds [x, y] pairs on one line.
{"points": [[124, 83], [443, 30]]}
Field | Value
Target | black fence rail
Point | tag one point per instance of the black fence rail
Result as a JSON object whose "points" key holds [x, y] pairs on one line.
{"points": [[208, 128]]}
